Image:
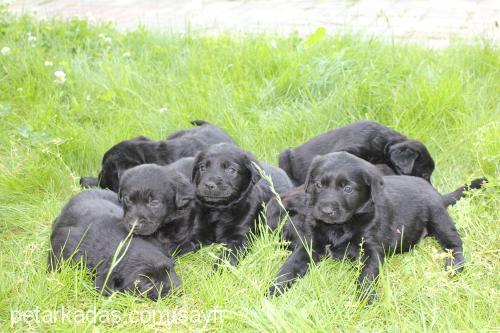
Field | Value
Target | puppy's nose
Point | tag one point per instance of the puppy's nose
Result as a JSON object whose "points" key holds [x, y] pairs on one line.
{"points": [[328, 209], [210, 186]]}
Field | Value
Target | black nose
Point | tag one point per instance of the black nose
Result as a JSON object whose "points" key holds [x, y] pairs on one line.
{"points": [[210, 186], [328, 209]]}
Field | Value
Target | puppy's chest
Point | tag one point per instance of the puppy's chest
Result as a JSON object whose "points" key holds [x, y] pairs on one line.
{"points": [[341, 242], [219, 223]]}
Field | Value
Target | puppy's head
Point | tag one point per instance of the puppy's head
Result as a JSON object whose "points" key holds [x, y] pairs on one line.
{"points": [[223, 173], [122, 156], [411, 158], [341, 185], [153, 195], [151, 274]]}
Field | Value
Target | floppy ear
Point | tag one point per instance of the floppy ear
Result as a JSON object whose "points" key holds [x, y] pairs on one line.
{"points": [[184, 192], [195, 173], [249, 164], [376, 183], [404, 159], [308, 183], [115, 283]]}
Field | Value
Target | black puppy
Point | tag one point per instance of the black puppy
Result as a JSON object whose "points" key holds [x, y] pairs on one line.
{"points": [[89, 228], [158, 200], [142, 150], [293, 210], [350, 203], [229, 196], [366, 139]]}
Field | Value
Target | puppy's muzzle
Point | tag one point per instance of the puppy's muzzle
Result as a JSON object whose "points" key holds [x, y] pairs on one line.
{"points": [[329, 209]]}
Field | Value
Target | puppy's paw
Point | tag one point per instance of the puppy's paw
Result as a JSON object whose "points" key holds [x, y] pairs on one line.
{"points": [[277, 289], [369, 296], [454, 264]]}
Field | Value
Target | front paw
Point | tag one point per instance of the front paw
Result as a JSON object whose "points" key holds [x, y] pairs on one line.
{"points": [[369, 295], [275, 290], [455, 263]]}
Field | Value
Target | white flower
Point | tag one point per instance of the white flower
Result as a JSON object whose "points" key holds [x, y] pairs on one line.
{"points": [[5, 50], [48, 63], [162, 110], [60, 77], [31, 38], [105, 38], [127, 54]]}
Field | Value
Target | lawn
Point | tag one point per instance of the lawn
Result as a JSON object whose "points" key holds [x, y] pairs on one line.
{"points": [[270, 93]]}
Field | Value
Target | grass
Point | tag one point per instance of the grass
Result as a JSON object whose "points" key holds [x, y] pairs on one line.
{"points": [[270, 93]]}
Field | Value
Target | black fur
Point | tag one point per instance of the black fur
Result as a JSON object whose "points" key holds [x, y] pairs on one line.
{"points": [[158, 200], [229, 196], [366, 139], [89, 228], [141, 150], [349, 202]]}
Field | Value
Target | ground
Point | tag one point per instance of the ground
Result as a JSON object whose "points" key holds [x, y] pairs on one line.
{"points": [[431, 23], [70, 90]]}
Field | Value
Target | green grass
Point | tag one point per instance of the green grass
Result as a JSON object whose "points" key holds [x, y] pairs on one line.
{"points": [[270, 93]]}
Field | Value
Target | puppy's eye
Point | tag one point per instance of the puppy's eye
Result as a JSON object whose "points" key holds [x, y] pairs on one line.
{"points": [[318, 184], [154, 203], [348, 189], [202, 168], [231, 170]]}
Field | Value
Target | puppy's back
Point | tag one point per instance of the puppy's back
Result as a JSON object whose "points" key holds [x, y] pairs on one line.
{"points": [[87, 226]]}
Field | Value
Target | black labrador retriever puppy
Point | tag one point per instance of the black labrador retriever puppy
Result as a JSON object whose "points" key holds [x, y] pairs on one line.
{"points": [[293, 211], [368, 140], [158, 201], [293, 200], [350, 202], [89, 228], [230, 194], [141, 150]]}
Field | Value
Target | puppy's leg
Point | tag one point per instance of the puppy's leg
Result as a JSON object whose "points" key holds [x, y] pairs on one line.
{"points": [[235, 246], [443, 228], [372, 257], [187, 247], [294, 267]]}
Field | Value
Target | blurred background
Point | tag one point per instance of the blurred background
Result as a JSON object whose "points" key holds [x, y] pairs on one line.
{"points": [[430, 23]]}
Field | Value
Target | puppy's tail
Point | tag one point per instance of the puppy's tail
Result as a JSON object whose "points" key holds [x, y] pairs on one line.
{"points": [[451, 198], [200, 122]]}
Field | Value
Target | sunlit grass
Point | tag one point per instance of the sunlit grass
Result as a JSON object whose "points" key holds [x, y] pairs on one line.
{"points": [[270, 93]]}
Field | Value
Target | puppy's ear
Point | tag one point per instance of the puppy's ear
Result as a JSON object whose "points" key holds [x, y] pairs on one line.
{"points": [[310, 174], [114, 283], [195, 174], [184, 192], [404, 158], [375, 181], [250, 161]]}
